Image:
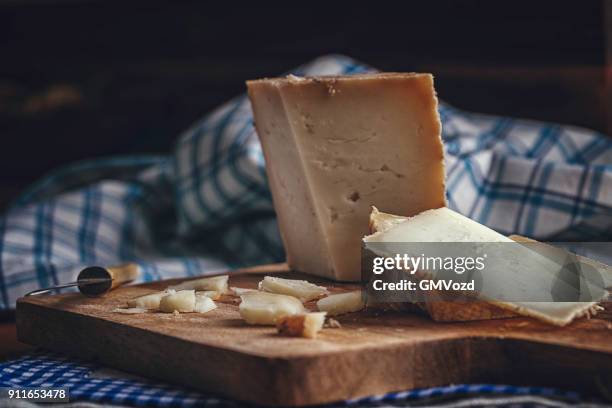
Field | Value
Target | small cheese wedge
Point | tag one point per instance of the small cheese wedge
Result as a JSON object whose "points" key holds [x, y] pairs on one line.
{"points": [[301, 289], [182, 301], [203, 303], [336, 145], [526, 271], [341, 303], [150, 301], [266, 308], [216, 283], [302, 325]]}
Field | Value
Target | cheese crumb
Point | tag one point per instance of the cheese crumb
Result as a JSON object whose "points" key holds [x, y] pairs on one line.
{"points": [[302, 325], [333, 324]]}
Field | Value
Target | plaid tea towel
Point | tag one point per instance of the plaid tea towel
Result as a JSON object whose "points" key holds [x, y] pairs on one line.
{"points": [[206, 206], [90, 382]]}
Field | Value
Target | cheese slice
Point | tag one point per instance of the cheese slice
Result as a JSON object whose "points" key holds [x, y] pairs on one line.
{"points": [[213, 283], [334, 146], [301, 289], [525, 273], [341, 303]]}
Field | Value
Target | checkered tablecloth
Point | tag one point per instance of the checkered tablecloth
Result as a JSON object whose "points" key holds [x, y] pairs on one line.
{"points": [[206, 207], [90, 382]]}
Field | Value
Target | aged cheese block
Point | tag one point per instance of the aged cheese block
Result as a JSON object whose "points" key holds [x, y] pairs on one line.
{"points": [[334, 146]]}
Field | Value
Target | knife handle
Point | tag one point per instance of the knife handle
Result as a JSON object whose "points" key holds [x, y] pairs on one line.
{"points": [[112, 277], [124, 273]]}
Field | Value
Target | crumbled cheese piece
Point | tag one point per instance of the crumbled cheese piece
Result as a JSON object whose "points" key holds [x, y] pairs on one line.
{"points": [[301, 289], [203, 304], [266, 308], [213, 294], [333, 324], [302, 325], [216, 283], [240, 291], [181, 301], [150, 301], [341, 303]]}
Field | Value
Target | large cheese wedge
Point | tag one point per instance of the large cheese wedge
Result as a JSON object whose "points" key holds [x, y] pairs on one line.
{"points": [[525, 269], [334, 146]]}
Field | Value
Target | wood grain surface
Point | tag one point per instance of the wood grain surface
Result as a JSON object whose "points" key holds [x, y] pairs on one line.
{"points": [[373, 352]]}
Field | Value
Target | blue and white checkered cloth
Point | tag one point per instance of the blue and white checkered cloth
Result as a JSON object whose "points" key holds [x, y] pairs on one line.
{"points": [[206, 207], [90, 382]]}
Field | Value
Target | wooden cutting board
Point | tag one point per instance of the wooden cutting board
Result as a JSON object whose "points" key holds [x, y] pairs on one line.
{"points": [[372, 353]]}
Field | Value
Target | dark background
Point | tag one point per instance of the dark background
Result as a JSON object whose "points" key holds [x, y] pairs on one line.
{"points": [[80, 79]]}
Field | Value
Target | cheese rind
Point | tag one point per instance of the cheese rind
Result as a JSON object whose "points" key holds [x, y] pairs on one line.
{"points": [[334, 146]]}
